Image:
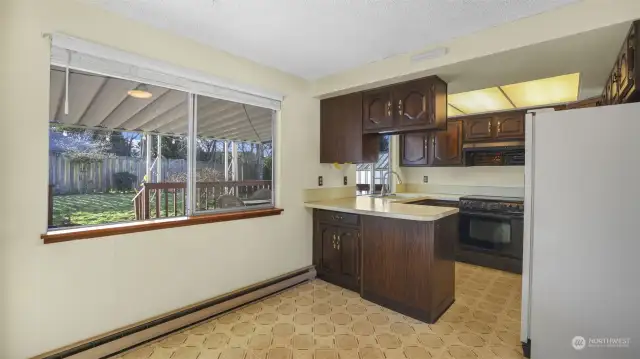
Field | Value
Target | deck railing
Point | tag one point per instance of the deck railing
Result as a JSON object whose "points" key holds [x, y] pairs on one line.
{"points": [[169, 199]]}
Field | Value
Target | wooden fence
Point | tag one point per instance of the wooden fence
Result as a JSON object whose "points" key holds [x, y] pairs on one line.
{"points": [[68, 178]]}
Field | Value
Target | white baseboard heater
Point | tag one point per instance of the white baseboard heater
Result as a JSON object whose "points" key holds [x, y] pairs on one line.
{"points": [[124, 339]]}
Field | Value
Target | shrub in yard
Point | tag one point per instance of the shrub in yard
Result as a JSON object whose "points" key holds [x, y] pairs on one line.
{"points": [[202, 175], [124, 181]]}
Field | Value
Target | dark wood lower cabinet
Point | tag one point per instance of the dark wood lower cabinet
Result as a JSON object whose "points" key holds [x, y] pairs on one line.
{"points": [[337, 249], [407, 266]]}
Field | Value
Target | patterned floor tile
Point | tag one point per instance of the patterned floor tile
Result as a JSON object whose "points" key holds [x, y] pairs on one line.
{"points": [[319, 320]]}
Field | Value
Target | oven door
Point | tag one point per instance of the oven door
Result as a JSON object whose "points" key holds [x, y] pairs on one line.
{"points": [[496, 233]]}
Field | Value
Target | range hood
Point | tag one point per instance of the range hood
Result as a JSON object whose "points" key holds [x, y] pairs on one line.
{"points": [[494, 146]]}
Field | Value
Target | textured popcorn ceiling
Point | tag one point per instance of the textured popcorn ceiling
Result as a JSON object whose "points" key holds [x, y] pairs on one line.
{"points": [[318, 320], [314, 38]]}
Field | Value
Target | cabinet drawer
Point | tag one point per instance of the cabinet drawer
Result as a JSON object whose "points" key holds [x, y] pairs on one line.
{"points": [[349, 219]]}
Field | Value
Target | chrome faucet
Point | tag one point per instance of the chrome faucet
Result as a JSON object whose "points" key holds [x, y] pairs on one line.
{"points": [[385, 189]]}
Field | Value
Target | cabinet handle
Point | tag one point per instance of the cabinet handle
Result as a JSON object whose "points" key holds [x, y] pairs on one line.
{"points": [[489, 126], [389, 108], [333, 241], [400, 108], [433, 142], [498, 127], [339, 240]]}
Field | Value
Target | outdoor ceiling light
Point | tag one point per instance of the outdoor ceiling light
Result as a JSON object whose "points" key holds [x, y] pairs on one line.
{"points": [[141, 91]]}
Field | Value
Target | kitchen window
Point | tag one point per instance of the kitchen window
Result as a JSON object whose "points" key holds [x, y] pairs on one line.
{"points": [[128, 155], [370, 176]]}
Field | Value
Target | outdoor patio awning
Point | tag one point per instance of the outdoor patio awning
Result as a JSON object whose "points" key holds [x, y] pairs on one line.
{"points": [[103, 102]]}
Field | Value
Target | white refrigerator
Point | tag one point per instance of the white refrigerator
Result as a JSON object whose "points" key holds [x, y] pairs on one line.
{"points": [[581, 275]]}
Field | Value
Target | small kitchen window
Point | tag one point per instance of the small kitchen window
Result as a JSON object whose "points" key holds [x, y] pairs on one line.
{"points": [[370, 176]]}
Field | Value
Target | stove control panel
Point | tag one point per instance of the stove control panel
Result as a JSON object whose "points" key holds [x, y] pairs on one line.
{"points": [[489, 206]]}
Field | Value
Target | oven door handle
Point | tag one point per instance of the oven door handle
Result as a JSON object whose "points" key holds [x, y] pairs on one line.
{"points": [[489, 215]]}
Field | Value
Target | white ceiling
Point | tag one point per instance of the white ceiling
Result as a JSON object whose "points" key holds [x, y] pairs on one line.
{"points": [[315, 38]]}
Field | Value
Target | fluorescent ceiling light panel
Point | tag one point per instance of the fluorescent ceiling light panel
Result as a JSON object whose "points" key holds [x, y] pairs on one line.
{"points": [[547, 91], [485, 100], [452, 111]]}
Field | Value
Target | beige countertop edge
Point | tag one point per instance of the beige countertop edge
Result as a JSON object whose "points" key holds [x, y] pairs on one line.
{"points": [[396, 212]]}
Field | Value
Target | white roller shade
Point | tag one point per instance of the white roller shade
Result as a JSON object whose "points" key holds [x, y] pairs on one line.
{"points": [[88, 56]]}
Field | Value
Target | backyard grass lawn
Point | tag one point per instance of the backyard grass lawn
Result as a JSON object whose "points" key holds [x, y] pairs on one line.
{"points": [[103, 208]]}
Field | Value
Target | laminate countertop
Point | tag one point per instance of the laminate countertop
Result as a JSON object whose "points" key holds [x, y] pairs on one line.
{"points": [[391, 207]]}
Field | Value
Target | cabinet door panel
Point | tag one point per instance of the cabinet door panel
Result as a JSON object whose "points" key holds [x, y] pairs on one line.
{"points": [[341, 138], [330, 260], [413, 149], [377, 110], [510, 125], [349, 254], [614, 83], [478, 128], [447, 145], [626, 64], [414, 104]]}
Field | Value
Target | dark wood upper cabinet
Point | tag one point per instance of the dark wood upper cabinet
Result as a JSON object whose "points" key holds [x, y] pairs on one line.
{"points": [[478, 128], [498, 126], [621, 86], [417, 105], [377, 110], [341, 137], [590, 102], [433, 148], [447, 146], [510, 125], [413, 149]]}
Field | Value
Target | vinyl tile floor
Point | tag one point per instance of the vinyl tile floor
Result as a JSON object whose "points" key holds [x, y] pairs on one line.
{"points": [[318, 320]]}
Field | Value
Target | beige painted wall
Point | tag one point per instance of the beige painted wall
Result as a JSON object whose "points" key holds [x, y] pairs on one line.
{"points": [[509, 176], [53, 295], [569, 20]]}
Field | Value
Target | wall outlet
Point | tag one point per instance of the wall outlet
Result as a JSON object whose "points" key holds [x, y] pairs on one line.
{"points": [[319, 180], [345, 180], [425, 179]]}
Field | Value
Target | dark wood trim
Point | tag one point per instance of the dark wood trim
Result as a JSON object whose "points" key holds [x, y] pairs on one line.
{"points": [[104, 231]]}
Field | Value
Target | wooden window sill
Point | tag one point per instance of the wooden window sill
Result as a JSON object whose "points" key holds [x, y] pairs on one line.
{"points": [[65, 235]]}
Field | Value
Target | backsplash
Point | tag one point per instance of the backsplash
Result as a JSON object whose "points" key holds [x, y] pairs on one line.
{"points": [[463, 190], [327, 193], [503, 176], [505, 181]]}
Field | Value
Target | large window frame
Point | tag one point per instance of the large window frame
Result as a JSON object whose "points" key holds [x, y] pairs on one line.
{"points": [[191, 215]]}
